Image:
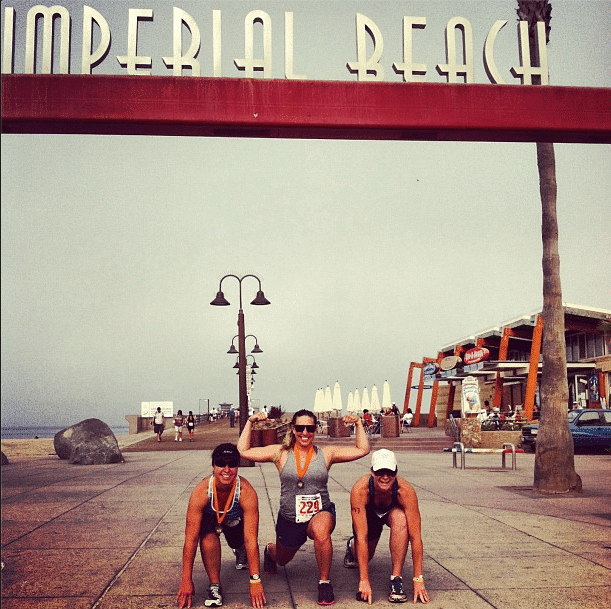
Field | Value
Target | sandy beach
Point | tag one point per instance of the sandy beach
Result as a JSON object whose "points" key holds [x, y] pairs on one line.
{"points": [[43, 447]]}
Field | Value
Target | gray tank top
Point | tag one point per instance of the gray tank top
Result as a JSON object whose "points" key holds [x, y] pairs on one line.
{"points": [[315, 481]]}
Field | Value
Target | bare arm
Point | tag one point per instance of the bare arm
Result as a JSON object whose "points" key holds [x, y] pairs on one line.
{"points": [[259, 454], [342, 454], [250, 507], [197, 503], [409, 501], [358, 502]]}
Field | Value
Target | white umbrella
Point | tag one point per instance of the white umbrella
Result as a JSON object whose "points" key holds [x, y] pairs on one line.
{"points": [[319, 401], [337, 398], [375, 400], [386, 401], [328, 403], [365, 405], [357, 401], [350, 404]]}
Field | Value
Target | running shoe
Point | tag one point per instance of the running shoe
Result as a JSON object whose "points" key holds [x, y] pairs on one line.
{"points": [[397, 595], [241, 561], [325, 594], [215, 596], [349, 559], [269, 565]]}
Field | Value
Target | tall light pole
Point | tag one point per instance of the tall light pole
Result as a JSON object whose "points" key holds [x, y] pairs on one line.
{"points": [[221, 301]]}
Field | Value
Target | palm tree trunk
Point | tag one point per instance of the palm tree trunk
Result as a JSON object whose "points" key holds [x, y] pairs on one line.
{"points": [[554, 458]]}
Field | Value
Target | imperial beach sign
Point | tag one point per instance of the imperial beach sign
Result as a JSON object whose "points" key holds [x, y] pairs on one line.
{"points": [[112, 37]]}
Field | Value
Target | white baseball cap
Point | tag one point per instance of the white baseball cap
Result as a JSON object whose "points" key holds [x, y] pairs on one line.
{"points": [[383, 459]]}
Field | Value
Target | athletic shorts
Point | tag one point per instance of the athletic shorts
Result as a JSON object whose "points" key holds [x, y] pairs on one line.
{"points": [[158, 427], [294, 534], [375, 524], [233, 530]]}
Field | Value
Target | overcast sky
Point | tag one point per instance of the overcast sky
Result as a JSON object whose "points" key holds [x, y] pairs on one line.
{"points": [[373, 254]]}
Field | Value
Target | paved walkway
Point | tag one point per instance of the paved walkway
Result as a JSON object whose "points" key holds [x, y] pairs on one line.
{"points": [[111, 536]]}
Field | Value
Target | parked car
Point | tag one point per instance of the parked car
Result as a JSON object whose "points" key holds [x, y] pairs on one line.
{"points": [[590, 428]]}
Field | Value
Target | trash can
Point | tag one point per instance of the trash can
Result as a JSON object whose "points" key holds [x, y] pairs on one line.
{"points": [[337, 428], [390, 426]]}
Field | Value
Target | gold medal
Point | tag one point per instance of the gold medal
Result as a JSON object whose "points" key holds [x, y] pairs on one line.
{"points": [[300, 484]]}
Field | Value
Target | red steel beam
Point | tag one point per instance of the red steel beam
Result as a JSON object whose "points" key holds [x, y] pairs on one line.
{"points": [[221, 107]]}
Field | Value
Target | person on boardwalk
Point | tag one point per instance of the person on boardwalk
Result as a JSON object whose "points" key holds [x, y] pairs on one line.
{"points": [[379, 499], [179, 421], [305, 507], [222, 503], [191, 425], [158, 423]]}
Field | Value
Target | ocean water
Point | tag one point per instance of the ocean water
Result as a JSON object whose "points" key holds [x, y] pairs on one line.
{"points": [[29, 433]]}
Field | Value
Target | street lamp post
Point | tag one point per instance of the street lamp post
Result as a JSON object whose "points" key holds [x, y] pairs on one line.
{"points": [[221, 301]]}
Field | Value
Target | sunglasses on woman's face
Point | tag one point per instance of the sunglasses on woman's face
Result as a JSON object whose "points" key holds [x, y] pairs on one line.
{"points": [[308, 428], [226, 463], [385, 472]]}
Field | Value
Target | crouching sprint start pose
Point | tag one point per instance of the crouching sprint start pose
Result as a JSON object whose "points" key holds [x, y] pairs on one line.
{"points": [[379, 499], [222, 503]]}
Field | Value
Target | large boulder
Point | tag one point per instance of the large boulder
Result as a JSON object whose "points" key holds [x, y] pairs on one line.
{"points": [[90, 442], [4, 459]]}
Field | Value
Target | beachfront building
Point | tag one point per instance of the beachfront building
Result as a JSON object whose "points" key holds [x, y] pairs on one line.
{"points": [[506, 360]]}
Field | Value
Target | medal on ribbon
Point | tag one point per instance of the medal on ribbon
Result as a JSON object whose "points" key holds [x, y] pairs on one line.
{"points": [[215, 504], [301, 472]]}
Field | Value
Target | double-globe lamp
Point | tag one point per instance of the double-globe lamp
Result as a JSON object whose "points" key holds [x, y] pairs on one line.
{"points": [[221, 301]]}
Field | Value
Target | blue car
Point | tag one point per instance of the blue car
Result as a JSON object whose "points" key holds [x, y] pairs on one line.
{"points": [[590, 428]]}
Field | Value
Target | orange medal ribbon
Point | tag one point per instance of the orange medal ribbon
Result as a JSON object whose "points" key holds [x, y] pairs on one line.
{"points": [[215, 504], [302, 472]]}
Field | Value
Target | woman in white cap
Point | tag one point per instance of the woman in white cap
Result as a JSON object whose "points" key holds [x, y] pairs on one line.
{"points": [[379, 499], [306, 510]]}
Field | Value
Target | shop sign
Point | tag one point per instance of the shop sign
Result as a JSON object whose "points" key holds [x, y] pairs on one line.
{"points": [[430, 369], [477, 354], [450, 362]]}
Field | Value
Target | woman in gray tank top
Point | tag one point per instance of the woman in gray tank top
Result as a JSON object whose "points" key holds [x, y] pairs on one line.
{"points": [[306, 511]]}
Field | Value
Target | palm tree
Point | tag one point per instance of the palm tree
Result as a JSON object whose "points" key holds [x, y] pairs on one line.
{"points": [[554, 460]]}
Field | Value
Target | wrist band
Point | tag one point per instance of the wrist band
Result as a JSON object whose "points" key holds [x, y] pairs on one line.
{"points": [[419, 579], [255, 581]]}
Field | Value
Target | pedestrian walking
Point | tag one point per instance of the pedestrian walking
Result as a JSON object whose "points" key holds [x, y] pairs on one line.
{"points": [[191, 425], [158, 423], [179, 421]]}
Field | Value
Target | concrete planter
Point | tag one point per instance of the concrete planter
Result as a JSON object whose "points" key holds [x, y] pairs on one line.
{"points": [[390, 426], [337, 428]]}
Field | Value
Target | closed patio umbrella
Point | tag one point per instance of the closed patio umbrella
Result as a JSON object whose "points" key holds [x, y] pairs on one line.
{"points": [[365, 404], [357, 401], [337, 399], [350, 404], [375, 400], [386, 401]]}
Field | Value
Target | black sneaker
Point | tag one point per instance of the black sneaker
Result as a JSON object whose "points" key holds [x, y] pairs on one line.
{"points": [[241, 560], [325, 594], [269, 565], [215, 596], [349, 560], [397, 595]]}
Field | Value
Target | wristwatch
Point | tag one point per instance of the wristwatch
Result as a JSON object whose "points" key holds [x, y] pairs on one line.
{"points": [[255, 579]]}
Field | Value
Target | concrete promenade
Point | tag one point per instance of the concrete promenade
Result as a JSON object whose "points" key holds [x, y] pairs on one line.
{"points": [[111, 536]]}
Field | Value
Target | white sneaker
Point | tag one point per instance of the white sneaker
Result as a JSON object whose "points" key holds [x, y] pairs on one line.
{"points": [[215, 596]]}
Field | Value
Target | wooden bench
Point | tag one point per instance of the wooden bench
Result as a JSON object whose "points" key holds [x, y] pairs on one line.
{"points": [[459, 447]]}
